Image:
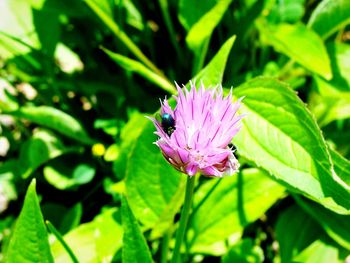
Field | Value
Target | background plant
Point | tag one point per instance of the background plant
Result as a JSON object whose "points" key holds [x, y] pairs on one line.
{"points": [[77, 78]]}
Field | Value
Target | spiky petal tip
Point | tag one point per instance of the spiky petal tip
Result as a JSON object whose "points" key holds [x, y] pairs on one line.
{"points": [[205, 123]]}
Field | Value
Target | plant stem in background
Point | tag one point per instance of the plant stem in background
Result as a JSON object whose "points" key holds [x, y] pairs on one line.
{"points": [[167, 19], [59, 237], [122, 36], [185, 213], [165, 247]]}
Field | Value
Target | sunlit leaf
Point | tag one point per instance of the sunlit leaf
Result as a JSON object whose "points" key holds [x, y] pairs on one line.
{"points": [[244, 251], [330, 16], [29, 241], [151, 183], [54, 119], [300, 44], [213, 72], [191, 11], [280, 135], [235, 202], [39, 149], [96, 241], [139, 68], [135, 248], [199, 35], [318, 252], [65, 176]]}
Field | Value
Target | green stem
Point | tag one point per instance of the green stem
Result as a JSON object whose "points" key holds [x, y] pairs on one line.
{"points": [[106, 18], [57, 234], [185, 213], [164, 7], [165, 247]]}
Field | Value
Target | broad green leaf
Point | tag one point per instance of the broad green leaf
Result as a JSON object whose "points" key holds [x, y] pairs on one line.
{"points": [[281, 136], [337, 226], [244, 251], [92, 242], [300, 44], [329, 103], [213, 72], [133, 15], [234, 203], [128, 135], [289, 11], [199, 35], [54, 119], [151, 182], [190, 11], [339, 54], [33, 23], [139, 68], [330, 16], [39, 149], [18, 23], [65, 176], [341, 167], [135, 248], [302, 230], [318, 252], [29, 242]]}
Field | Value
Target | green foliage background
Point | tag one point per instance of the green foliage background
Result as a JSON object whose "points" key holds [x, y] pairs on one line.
{"points": [[76, 80]]}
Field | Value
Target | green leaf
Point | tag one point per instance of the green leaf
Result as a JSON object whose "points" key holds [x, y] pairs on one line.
{"points": [[103, 11], [289, 11], [341, 167], [339, 54], [337, 226], [318, 252], [234, 203], [214, 71], [92, 242], [330, 16], [128, 136], [151, 182], [54, 119], [29, 241], [63, 176], [280, 135], [190, 11], [199, 35], [244, 251], [302, 230], [300, 44], [39, 149], [19, 24], [139, 68], [135, 247], [329, 103]]}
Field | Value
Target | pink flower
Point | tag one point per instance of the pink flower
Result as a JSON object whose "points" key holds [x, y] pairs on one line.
{"points": [[195, 136]]}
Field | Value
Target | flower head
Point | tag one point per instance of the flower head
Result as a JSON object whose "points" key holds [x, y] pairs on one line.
{"points": [[194, 137]]}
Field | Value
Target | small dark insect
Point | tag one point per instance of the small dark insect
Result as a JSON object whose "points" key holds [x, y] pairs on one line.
{"points": [[232, 146], [168, 123]]}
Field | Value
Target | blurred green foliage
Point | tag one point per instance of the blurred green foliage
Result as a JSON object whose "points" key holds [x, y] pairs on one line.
{"points": [[77, 79]]}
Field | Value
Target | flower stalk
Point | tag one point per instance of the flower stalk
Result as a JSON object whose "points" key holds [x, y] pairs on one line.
{"points": [[185, 214]]}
